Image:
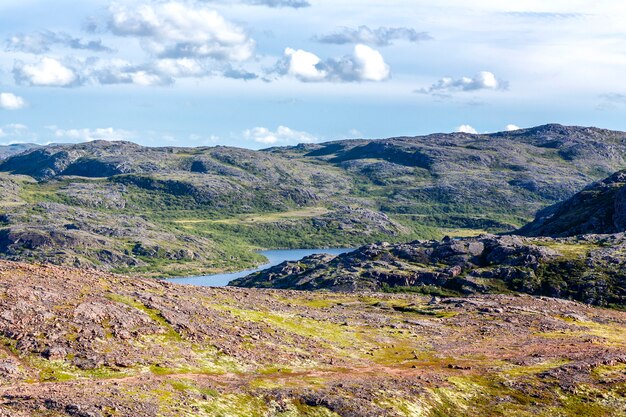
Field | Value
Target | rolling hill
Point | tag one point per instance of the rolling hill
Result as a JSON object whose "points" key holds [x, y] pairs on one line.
{"points": [[176, 211]]}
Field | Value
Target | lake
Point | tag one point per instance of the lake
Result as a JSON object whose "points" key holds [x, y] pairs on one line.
{"points": [[274, 257]]}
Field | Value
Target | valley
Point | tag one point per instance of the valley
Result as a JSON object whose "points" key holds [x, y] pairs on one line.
{"points": [[170, 211], [453, 302]]}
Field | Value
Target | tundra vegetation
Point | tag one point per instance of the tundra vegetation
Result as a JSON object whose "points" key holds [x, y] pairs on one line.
{"points": [[126, 208]]}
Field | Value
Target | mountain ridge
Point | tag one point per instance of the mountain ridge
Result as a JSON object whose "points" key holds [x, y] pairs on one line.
{"points": [[143, 207]]}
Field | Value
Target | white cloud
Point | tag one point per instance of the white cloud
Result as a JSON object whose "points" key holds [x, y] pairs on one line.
{"points": [[370, 64], [383, 36], [282, 135], [511, 128], [484, 80], [366, 64], [86, 135], [182, 30], [48, 72], [467, 129], [304, 65], [183, 67], [10, 101]]}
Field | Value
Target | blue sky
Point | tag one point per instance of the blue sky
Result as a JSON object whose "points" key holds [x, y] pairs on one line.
{"points": [[259, 73]]}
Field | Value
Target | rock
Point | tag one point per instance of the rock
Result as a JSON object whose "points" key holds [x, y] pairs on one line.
{"points": [[540, 266]]}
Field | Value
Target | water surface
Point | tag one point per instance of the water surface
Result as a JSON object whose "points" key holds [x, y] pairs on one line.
{"points": [[274, 257]]}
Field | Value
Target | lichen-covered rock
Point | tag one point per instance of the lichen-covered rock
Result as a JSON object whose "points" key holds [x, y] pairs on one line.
{"points": [[590, 269]]}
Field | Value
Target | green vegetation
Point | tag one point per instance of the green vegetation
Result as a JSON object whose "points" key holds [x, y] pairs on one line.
{"points": [[169, 211]]}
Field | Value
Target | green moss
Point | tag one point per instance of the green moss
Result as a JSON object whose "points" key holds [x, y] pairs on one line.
{"points": [[322, 330], [235, 405], [155, 315]]}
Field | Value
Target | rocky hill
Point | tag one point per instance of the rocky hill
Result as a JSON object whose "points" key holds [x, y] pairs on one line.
{"points": [[177, 211], [591, 269], [84, 343], [599, 208], [7, 151]]}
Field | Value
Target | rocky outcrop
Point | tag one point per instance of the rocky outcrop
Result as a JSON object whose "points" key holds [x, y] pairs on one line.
{"points": [[598, 209], [592, 269]]}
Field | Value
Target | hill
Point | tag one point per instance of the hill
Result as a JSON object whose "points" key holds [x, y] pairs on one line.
{"points": [[591, 269], [180, 211], [7, 151], [599, 208], [84, 343]]}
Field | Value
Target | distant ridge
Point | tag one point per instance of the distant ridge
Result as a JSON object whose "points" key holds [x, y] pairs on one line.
{"points": [[170, 210]]}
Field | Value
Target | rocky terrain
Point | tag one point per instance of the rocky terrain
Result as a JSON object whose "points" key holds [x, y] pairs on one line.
{"points": [[599, 208], [7, 151], [86, 343], [121, 207], [591, 269]]}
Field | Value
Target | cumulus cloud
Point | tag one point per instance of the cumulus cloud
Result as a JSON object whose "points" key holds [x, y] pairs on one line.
{"points": [[467, 129], [511, 128], [41, 42], [282, 135], [10, 101], [180, 30], [382, 36], [47, 72], [484, 80], [365, 64], [369, 64], [86, 135], [304, 65]]}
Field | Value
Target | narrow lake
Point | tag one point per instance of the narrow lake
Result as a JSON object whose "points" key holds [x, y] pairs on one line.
{"points": [[274, 257]]}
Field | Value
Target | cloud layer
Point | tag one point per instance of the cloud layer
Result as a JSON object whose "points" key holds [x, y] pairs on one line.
{"points": [[382, 36], [281, 136], [86, 135], [295, 4], [41, 42]]}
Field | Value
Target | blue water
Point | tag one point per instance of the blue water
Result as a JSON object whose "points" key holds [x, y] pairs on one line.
{"points": [[274, 257]]}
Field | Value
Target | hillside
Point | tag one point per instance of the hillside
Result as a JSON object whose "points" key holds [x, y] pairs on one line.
{"points": [[178, 211], [7, 151], [599, 208], [84, 343], [592, 270]]}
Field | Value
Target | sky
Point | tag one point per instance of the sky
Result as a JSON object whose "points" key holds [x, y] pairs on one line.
{"points": [[261, 73]]}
